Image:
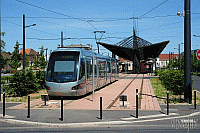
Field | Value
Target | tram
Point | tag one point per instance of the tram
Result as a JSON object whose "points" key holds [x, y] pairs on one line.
{"points": [[76, 72]]}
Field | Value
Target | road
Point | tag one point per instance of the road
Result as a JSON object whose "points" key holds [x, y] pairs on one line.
{"points": [[178, 124], [150, 127]]}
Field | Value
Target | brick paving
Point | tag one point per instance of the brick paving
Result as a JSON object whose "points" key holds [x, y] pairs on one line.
{"points": [[108, 94]]}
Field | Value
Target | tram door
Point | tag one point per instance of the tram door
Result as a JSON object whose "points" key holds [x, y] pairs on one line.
{"points": [[94, 69], [89, 75]]}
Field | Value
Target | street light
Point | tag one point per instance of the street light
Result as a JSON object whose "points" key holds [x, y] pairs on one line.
{"points": [[187, 52], [196, 36], [46, 52], [179, 56], [24, 39]]}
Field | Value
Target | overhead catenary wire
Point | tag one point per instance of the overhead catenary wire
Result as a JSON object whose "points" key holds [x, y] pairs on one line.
{"points": [[31, 28], [83, 38], [153, 8], [54, 12]]}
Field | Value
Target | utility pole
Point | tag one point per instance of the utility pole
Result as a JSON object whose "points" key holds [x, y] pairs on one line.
{"points": [[98, 39], [24, 39], [46, 53], [61, 39], [187, 53], [23, 42], [179, 58], [0, 56]]}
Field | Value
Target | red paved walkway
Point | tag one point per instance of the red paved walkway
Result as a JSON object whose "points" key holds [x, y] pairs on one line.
{"points": [[110, 92]]}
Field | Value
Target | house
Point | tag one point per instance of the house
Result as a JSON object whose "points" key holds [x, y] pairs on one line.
{"points": [[6, 55], [125, 65], [163, 60], [30, 53]]}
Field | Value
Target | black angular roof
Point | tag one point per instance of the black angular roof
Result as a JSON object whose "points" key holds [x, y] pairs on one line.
{"points": [[135, 45]]}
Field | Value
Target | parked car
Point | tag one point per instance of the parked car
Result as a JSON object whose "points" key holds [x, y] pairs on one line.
{"points": [[3, 71], [8, 71], [13, 71]]}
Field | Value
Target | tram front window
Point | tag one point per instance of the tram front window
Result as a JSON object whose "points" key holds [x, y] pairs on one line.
{"points": [[63, 67]]}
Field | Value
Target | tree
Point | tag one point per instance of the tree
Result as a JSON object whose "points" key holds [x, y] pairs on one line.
{"points": [[35, 62], [15, 60], [2, 42], [42, 61], [3, 59], [26, 60]]}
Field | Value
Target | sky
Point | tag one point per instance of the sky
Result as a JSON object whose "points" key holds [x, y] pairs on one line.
{"points": [[154, 20]]}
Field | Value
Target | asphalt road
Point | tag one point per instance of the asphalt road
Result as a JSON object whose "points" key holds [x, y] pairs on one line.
{"points": [[150, 127]]}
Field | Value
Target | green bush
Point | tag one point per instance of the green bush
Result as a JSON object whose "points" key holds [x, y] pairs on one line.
{"points": [[156, 72], [40, 76], [173, 80], [23, 83]]}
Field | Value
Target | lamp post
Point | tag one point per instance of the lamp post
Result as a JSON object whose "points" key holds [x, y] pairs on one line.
{"points": [[179, 59], [187, 52], [196, 36], [46, 52], [24, 39]]}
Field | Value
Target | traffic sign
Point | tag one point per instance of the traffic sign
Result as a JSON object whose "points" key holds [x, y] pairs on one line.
{"points": [[198, 54]]}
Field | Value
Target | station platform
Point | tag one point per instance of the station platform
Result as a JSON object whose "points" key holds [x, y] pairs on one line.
{"points": [[109, 96]]}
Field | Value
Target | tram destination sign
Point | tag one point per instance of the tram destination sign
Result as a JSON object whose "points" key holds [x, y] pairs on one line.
{"points": [[198, 54]]}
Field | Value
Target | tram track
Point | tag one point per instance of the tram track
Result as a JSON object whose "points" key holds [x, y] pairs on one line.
{"points": [[141, 88], [114, 101]]}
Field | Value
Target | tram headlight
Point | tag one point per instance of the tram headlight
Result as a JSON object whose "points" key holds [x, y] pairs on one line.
{"points": [[75, 87]]}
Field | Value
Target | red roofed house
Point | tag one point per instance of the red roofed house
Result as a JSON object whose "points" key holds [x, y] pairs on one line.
{"points": [[6, 55], [163, 60], [30, 53]]}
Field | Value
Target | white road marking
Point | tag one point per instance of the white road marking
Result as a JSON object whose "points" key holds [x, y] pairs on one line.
{"points": [[149, 116], [7, 116]]}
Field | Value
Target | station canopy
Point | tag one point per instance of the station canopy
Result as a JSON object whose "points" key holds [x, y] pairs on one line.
{"points": [[135, 47]]}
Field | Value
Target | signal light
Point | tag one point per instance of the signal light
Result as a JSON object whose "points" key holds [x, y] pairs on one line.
{"points": [[48, 88]]}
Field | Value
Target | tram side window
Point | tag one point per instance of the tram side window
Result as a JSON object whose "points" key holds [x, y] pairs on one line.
{"points": [[108, 67], [82, 69]]}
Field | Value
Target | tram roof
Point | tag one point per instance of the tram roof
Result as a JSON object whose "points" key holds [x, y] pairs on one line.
{"points": [[87, 52]]}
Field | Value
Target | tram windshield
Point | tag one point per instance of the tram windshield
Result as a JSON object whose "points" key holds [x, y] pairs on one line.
{"points": [[62, 67]]}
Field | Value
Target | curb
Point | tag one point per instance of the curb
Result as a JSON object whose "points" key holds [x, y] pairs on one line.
{"points": [[90, 123]]}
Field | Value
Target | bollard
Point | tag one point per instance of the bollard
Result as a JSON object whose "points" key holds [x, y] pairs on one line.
{"points": [[195, 104], [4, 103], [136, 103], [167, 102], [28, 107], [61, 109], [100, 108]]}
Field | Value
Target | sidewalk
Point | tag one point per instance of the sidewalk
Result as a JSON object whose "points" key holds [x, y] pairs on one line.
{"points": [[80, 118]]}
